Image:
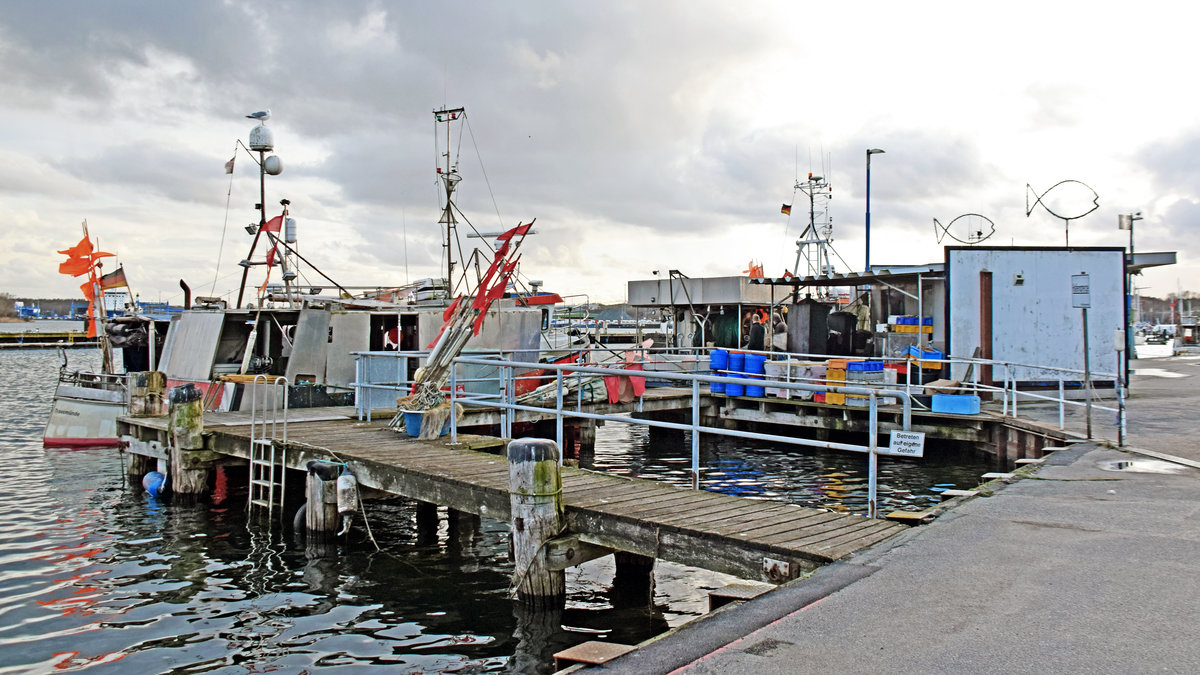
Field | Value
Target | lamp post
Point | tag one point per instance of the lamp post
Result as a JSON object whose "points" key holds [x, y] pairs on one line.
{"points": [[1125, 222], [870, 151]]}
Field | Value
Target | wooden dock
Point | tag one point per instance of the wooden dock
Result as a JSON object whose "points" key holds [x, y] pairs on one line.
{"points": [[751, 539]]}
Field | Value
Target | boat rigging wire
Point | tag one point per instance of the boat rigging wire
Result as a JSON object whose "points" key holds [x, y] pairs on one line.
{"points": [[228, 198]]}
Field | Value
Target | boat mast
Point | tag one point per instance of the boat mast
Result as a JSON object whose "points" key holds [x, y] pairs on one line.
{"points": [[262, 141], [450, 179], [813, 244]]}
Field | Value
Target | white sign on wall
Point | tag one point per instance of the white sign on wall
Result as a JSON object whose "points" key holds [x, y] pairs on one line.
{"points": [[1081, 291], [905, 444]]}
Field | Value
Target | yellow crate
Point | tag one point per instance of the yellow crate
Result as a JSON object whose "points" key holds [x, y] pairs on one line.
{"points": [[897, 328], [837, 364], [835, 375], [835, 399]]}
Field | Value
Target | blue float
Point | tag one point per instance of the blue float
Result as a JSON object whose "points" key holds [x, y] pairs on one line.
{"points": [[153, 482]]}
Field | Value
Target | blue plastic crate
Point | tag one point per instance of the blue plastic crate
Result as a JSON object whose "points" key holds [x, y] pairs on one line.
{"points": [[956, 404], [864, 366], [928, 354]]}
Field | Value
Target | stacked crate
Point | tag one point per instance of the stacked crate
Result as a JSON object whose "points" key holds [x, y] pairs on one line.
{"points": [[866, 373], [835, 375]]}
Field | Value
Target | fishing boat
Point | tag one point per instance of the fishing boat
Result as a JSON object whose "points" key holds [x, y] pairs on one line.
{"points": [[306, 336]]}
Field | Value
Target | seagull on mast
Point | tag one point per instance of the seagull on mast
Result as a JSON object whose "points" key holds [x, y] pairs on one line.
{"points": [[261, 115]]}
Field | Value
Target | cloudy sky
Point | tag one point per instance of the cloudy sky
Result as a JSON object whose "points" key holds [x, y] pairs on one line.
{"points": [[641, 135]]}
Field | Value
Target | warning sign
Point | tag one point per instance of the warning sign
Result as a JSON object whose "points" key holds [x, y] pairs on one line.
{"points": [[906, 444]]}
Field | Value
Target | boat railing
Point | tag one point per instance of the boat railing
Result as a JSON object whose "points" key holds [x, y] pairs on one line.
{"points": [[564, 373]]}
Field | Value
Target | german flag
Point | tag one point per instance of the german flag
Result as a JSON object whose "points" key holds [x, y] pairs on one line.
{"points": [[786, 209]]}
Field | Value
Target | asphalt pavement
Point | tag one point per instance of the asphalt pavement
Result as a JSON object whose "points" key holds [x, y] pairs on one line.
{"points": [[1090, 564]]}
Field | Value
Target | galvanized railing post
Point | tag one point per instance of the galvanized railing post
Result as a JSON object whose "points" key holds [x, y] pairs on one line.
{"points": [[1062, 404], [695, 434], [873, 459], [558, 407], [1009, 376], [453, 395]]}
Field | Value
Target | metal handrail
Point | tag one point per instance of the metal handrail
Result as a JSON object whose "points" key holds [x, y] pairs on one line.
{"points": [[561, 411]]}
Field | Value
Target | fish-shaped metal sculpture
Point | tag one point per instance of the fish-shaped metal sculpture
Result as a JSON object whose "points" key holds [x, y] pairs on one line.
{"points": [[1076, 203], [974, 229]]}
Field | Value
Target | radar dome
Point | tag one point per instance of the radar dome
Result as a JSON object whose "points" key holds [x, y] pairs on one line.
{"points": [[262, 138], [273, 165]]}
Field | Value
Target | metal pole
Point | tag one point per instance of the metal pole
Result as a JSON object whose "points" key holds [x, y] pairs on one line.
{"points": [[867, 253], [558, 407], [1087, 374], [872, 458], [695, 434], [453, 420], [1120, 405]]}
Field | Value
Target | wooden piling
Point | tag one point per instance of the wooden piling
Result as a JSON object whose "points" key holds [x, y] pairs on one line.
{"points": [[147, 394], [633, 583], [190, 467], [321, 513], [137, 466], [427, 523], [535, 489]]}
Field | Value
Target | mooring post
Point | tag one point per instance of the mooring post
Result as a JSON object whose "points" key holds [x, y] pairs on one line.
{"points": [[146, 393], [535, 489], [427, 523], [633, 583], [190, 467], [321, 509]]}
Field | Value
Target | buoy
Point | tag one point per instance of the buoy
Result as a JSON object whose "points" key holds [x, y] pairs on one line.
{"points": [[347, 493], [154, 483]]}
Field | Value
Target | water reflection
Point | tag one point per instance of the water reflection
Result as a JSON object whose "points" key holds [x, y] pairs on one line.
{"points": [[791, 474]]}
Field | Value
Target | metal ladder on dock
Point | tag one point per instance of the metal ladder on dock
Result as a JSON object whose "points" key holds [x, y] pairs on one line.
{"points": [[268, 470]]}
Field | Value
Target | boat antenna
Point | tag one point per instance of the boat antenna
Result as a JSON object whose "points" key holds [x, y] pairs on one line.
{"points": [[448, 174]]}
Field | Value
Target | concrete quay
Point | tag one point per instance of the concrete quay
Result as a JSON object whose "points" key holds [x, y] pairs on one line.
{"points": [[1090, 564]]}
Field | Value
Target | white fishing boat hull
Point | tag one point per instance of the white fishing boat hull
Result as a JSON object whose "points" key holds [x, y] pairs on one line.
{"points": [[83, 417]]}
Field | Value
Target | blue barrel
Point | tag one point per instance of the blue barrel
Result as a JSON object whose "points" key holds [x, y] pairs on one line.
{"points": [[718, 360], [754, 366], [737, 364]]}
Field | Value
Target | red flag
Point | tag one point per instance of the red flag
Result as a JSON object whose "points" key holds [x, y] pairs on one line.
{"points": [[75, 266], [229, 164], [519, 230], [273, 224], [450, 310], [79, 250], [89, 291], [271, 255]]}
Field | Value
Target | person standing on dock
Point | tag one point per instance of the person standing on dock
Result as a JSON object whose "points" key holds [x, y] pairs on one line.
{"points": [[758, 335]]}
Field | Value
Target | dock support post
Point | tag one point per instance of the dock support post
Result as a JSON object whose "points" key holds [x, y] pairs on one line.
{"points": [[535, 489], [190, 470], [136, 467], [427, 523], [633, 583], [321, 512], [146, 393]]}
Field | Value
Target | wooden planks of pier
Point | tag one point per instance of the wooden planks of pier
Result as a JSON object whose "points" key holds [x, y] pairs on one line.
{"points": [[751, 539]]}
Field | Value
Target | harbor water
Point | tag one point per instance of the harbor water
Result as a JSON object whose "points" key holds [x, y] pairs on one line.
{"points": [[97, 575]]}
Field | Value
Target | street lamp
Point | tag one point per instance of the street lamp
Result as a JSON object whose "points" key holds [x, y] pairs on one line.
{"points": [[1125, 222], [870, 151]]}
